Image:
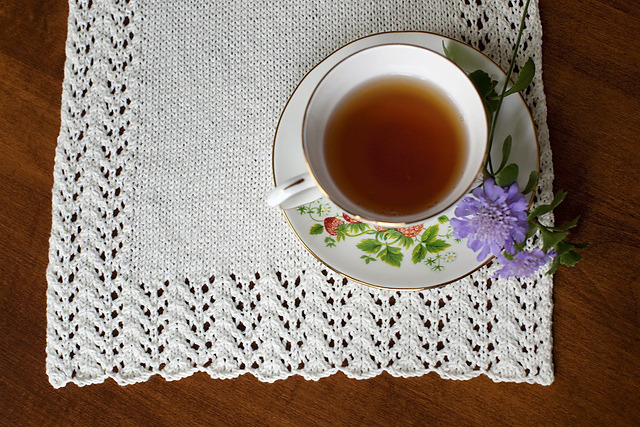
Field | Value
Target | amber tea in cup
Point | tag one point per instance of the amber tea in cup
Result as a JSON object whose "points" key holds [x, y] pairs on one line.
{"points": [[395, 146]]}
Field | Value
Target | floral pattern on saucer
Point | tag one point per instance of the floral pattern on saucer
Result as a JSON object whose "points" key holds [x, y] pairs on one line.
{"points": [[419, 244]]}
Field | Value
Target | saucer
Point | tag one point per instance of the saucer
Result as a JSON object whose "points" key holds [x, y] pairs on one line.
{"points": [[405, 258]]}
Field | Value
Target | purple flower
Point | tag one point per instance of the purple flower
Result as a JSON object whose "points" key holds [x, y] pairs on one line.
{"points": [[523, 264], [492, 218]]}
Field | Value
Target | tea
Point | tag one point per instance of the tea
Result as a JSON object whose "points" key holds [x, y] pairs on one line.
{"points": [[395, 146]]}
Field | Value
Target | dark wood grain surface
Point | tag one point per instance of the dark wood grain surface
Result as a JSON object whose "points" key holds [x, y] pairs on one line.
{"points": [[591, 61]]}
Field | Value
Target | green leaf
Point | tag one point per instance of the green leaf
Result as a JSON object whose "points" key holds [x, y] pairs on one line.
{"points": [[562, 247], [543, 209], [491, 105], [394, 234], [455, 52], [507, 176], [482, 82], [418, 254], [367, 259], [316, 229], [485, 87], [533, 227], [329, 242], [567, 226], [448, 54], [506, 150], [430, 234], [442, 219], [570, 258], [370, 246], [406, 242], [559, 197], [539, 210], [524, 78], [382, 235], [400, 238], [436, 246], [566, 255], [550, 239], [362, 226], [554, 265], [531, 183], [342, 232], [391, 255], [356, 227]]}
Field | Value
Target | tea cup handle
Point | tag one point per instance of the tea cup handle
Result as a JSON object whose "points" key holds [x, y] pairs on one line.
{"points": [[283, 194]]}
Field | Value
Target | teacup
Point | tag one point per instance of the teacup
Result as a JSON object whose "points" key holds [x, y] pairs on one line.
{"points": [[382, 91]]}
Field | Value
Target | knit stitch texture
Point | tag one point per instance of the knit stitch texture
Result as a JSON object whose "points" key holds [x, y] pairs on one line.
{"points": [[165, 260]]}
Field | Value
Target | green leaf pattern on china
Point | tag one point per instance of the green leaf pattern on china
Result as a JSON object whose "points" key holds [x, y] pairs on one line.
{"points": [[428, 247]]}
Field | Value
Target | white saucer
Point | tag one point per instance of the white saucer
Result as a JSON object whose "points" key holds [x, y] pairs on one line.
{"points": [[353, 252]]}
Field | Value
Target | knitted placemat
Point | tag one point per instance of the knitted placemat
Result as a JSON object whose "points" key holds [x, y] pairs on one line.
{"points": [[165, 260]]}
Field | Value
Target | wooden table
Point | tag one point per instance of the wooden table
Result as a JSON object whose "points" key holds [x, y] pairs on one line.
{"points": [[593, 94]]}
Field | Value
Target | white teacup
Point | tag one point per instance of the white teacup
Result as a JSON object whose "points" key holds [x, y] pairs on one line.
{"points": [[378, 62]]}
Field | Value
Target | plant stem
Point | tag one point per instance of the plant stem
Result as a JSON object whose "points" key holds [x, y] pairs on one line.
{"points": [[506, 82], [537, 222], [315, 219], [356, 235], [319, 212]]}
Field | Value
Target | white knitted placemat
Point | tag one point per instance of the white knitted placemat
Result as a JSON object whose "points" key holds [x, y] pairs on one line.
{"points": [[163, 257]]}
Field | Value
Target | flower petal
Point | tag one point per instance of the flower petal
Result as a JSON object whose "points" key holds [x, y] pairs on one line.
{"points": [[483, 253], [493, 191]]}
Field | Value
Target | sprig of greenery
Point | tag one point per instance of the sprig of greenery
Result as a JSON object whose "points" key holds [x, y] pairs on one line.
{"points": [[553, 238], [492, 100]]}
